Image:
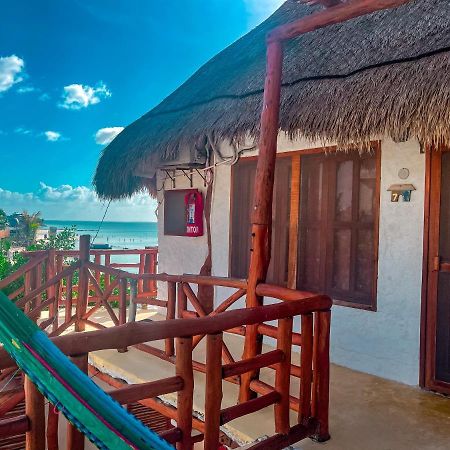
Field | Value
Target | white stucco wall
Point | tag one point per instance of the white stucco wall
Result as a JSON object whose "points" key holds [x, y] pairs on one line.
{"points": [[384, 343]]}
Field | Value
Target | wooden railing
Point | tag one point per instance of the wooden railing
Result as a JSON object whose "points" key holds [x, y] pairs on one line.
{"points": [[80, 283]]}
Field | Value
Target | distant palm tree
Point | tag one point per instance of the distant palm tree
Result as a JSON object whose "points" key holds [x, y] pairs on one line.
{"points": [[29, 226]]}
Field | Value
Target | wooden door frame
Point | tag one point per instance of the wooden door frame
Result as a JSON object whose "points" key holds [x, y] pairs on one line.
{"points": [[428, 321]]}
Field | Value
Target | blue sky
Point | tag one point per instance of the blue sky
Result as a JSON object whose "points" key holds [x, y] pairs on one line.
{"points": [[73, 72]]}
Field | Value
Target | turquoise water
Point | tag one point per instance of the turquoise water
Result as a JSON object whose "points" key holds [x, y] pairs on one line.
{"points": [[120, 235]]}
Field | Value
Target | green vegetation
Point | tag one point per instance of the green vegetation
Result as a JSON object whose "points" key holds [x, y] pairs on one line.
{"points": [[3, 219], [65, 240]]}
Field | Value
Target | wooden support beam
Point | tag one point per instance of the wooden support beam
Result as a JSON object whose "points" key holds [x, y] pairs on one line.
{"points": [[133, 301], [181, 300], [261, 218], [69, 298], [123, 285], [296, 434], [107, 275], [171, 436], [330, 16], [75, 438], [156, 404], [35, 411], [183, 367], [171, 306], [283, 376], [271, 331], [52, 428], [134, 392], [213, 394], [50, 275], [83, 282], [221, 308], [14, 426], [243, 409], [306, 366], [321, 376], [294, 222], [325, 3], [247, 365], [263, 388]]}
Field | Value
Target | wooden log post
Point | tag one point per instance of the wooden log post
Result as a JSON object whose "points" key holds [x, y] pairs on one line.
{"points": [[51, 273], [133, 301], [97, 273], [184, 369], [141, 272], [69, 299], [52, 428], [107, 275], [27, 289], [306, 356], [34, 285], [35, 411], [83, 282], [75, 438], [181, 301], [147, 269], [123, 285], [262, 203], [283, 376], [213, 395], [153, 270], [171, 305], [39, 283], [321, 374], [59, 268]]}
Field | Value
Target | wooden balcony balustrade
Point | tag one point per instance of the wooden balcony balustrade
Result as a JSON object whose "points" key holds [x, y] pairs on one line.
{"points": [[67, 288]]}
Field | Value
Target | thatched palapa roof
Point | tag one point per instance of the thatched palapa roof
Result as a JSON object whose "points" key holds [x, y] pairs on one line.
{"points": [[382, 74]]}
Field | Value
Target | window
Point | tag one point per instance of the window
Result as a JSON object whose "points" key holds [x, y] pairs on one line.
{"points": [[336, 242], [243, 180], [338, 227], [175, 211]]}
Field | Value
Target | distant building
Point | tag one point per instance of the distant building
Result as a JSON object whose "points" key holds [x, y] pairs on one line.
{"points": [[4, 233]]}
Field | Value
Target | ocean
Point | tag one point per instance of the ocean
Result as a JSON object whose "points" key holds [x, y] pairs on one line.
{"points": [[120, 235]]}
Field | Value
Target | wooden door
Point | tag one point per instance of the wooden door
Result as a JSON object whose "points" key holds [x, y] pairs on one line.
{"points": [[437, 345]]}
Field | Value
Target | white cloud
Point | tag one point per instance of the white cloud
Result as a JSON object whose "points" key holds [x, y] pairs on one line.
{"points": [[26, 89], [66, 202], [105, 135], [261, 9], [78, 96], [52, 136], [10, 70], [22, 130], [44, 97]]}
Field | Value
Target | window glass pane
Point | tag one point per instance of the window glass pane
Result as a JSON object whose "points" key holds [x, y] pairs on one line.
{"points": [[312, 189], [311, 259], [367, 187], [344, 191], [242, 196], [365, 262], [342, 259]]}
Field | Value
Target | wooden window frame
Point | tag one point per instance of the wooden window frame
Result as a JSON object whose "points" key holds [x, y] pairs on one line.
{"points": [[294, 220]]}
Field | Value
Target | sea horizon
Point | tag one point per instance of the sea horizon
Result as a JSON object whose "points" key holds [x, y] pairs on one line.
{"points": [[117, 234]]}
